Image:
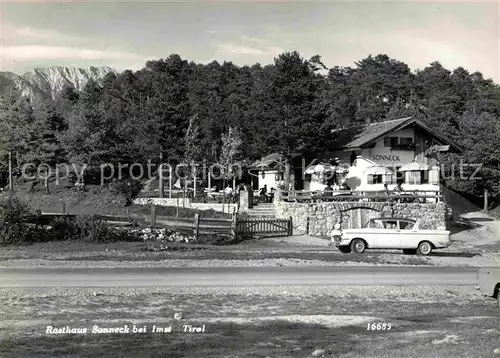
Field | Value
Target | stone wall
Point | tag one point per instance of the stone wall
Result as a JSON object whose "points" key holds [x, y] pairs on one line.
{"points": [[187, 204], [244, 201], [324, 216], [160, 201]]}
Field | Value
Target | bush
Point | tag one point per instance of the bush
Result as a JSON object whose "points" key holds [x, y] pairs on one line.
{"points": [[87, 228], [64, 229], [13, 227], [129, 188]]}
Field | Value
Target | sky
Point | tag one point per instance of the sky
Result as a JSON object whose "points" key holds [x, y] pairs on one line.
{"points": [[126, 34]]}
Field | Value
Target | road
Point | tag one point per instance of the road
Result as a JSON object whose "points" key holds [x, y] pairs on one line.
{"points": [[219, 277]]}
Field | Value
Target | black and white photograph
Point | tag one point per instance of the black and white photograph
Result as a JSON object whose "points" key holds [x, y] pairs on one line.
{"points": [[265, 179]]}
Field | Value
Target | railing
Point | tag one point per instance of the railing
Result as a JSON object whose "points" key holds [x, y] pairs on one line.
{"points": [[220, 198], [413, 196]]}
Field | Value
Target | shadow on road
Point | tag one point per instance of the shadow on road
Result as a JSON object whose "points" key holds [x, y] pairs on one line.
{"points": [[454, 254]]}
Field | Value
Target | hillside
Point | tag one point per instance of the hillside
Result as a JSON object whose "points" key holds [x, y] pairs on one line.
{"points": [[47, 83]]}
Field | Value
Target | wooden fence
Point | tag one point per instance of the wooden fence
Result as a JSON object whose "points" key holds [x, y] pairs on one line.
{"points": [[264, 227], [196, 226], [234, 227]]}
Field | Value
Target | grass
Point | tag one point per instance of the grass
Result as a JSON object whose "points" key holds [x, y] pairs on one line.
{"points": [[252, 324], [136, 251], [95, 200]]}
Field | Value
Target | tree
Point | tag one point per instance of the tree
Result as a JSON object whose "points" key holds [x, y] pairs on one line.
{"points": [[378, 82], [193, 152], [293, 119], [230, 154], [43, 138]]}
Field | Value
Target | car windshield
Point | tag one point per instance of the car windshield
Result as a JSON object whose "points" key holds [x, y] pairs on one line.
{"points": [[375, 224]]}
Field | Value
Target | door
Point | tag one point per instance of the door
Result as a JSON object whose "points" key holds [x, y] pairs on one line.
{"points": [[389, 237], [408, 237]]}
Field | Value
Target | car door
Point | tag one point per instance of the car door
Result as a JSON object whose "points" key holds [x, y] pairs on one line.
{"points": [[389, 237], [407, 235], [373, 231]]}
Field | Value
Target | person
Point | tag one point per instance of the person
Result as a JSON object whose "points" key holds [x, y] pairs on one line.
{"points": [[263, 193], [271, 196], [345, 186], [399, 187], [248, 188], [228, 190], [386, 189], [328, 192]]}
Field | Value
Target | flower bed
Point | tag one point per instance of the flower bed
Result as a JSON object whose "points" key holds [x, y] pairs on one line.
{"points": [[149, 234]]}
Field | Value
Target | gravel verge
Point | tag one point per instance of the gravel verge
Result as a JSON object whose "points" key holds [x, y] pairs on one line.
{"points": [[410, 293], [489, 260]]}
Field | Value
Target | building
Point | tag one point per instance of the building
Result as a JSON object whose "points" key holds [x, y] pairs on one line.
{"points": [[268, 171], [402, 151]]}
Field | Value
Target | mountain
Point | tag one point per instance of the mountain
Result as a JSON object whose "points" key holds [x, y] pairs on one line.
{"points": [[47, 83]]}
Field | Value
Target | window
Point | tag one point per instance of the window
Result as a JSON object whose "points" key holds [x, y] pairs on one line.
{"points": [[414, 177], [406, 225], [405, 141], [391, 141], [424, 177], [375, 224], [391, 178], [375, 179], [391, 224]]}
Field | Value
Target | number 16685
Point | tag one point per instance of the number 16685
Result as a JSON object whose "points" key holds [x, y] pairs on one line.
{"points": [[378, 327]]}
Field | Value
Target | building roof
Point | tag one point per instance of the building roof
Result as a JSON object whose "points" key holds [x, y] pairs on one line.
{"points": [[270, 161], [364, 135]]}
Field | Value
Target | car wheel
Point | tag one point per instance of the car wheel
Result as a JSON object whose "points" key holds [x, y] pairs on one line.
{"points": [[358, 246], [345, 249], [424, 248], [409, 251]]}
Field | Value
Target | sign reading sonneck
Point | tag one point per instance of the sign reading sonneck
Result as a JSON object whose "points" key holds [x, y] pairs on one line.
{"points": [[391, 158]]}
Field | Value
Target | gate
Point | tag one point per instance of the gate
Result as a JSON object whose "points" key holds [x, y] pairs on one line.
{"points": [[263, 227], [357, 218]]}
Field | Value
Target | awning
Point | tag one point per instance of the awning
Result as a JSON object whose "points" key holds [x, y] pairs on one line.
{"points": [[377, 170], [414, 166], [320, 168]]}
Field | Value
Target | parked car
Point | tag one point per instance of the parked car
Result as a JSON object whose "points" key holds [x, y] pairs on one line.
{"points": [[489, 282], [391, 233]]}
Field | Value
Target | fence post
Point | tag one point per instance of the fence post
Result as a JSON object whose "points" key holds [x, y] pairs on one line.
{"points": [[290, 226], [485, 200], [307, 226], [233, 225], [177, 206], [64, 208], [153, 215], [160, 177], [196, 225]]}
